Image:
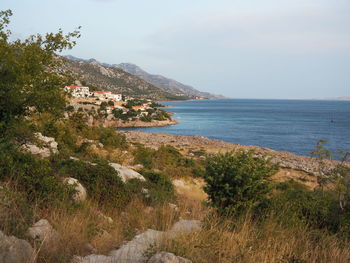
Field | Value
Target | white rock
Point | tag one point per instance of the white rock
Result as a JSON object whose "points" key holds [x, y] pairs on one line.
{"points": [[126, 173], [50, 146], [174, 207], [133, 251], [186, 226], [165, 257], [80, 194], [14, 250], [42, 231], [180, 184]]}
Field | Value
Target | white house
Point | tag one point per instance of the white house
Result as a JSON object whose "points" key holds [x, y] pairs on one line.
{"points": [[78, 91], [107, 95]]}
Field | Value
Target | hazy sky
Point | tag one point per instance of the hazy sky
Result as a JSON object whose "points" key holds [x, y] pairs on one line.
{"points": [[242, 49]]}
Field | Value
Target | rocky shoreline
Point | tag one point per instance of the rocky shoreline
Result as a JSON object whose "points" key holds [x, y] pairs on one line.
{"points": [[195, 145]]}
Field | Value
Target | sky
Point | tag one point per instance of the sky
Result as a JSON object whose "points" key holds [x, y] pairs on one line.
{"points": [[239, 48]]}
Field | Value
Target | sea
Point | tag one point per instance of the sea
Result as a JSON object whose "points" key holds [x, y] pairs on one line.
{"points": [[283, 125]]}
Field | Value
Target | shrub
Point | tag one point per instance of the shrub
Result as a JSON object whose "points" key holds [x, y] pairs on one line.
{"points": [[32, 176], [109, 137], [318, 209], [101, 180], [160, 187], [237, 181], [16, 214]]}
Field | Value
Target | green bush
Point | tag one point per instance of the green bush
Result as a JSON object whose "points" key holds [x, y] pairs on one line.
{"points": [[237, 181], [160, 187], [101, 180], [109, 137], [16, 214], [32, 176], [318, 209]]}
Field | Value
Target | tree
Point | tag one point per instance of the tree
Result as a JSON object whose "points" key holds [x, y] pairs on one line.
{"points": [[29, 79], [237, 181]]}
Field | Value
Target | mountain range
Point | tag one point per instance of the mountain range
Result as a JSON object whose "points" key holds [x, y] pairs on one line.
{"points": [[129, 79]]}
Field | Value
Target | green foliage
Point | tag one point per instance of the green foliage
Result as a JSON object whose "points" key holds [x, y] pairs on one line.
{"points": [[160, 187], [32, 176], [103, 105], [237, 181], [29, 83], [168, 160], [109, 137], [101, 180], [16, 214]]}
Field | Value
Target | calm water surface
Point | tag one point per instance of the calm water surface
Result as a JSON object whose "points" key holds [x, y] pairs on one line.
{"points": [[283, 125]]}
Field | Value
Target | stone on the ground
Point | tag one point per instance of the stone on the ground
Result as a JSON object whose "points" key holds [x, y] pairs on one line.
{"points": [[186, 226], [49, 146], [181, 184], [42, 231], [126, 173], [133, 251], [80, 194], [165, 257], [14, 250]]}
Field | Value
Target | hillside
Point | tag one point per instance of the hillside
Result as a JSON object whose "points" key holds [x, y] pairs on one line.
{"points": [[114, 79], [169, 85]]}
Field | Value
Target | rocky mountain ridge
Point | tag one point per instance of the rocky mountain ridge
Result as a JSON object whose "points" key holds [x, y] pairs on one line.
{"points": [[102, 77], [168, 85]]}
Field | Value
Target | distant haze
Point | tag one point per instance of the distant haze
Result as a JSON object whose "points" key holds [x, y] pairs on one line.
{"points": [[241, 49]]}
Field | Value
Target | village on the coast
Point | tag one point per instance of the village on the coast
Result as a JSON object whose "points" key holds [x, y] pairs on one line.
{"points": [[115, 109]]}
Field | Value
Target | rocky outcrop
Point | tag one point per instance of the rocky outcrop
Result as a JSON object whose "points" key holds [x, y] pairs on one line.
{"points": [[80, 194], [165, 257], [47, 146], [133, 251], [126, 173], [14, 250], [42, 231]]}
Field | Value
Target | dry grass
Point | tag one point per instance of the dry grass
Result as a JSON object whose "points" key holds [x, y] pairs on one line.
{"points": [[249, 242], [88, 230]]}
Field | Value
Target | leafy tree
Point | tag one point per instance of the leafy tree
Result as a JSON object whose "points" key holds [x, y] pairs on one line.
{"points": [[30, 83], [237, 181]]}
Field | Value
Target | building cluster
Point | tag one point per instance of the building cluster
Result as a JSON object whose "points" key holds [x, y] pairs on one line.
{"points": [[84, 92]]}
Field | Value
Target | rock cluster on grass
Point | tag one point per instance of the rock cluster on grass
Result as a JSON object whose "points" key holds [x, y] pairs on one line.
{"points": [[42, 231], [126, 173], [49, 146], [134, 250]]}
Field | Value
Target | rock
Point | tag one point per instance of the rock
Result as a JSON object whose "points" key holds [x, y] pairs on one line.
{"points": [[42, 231], [133, 251], [139, 166], [186, 226], [80, 194], [125, 173], [50, 146], [180, 184], [174, 207], [165, 257], [14, 250]]}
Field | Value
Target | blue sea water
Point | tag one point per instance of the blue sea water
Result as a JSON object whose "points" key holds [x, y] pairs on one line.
{"points": [[284, 125]]}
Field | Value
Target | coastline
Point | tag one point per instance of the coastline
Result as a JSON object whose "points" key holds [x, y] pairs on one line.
{"points": [[133, 124], [198, 147]]}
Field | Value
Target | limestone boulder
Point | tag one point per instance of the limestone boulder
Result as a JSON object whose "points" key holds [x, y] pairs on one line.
{"points": [[47, 146], [14, 250], [165, 257], [126, 173], [80, 194], [42, 231]]}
